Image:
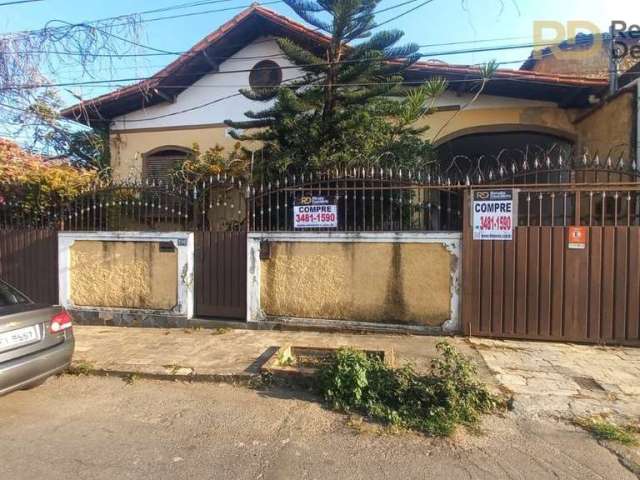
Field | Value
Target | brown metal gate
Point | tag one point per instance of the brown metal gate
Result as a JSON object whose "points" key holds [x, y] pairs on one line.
{"points": [[535, 287], [221, 274], [29, 261]]}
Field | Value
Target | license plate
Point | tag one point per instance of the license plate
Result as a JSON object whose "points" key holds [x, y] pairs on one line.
{"points": [[19, 338]]}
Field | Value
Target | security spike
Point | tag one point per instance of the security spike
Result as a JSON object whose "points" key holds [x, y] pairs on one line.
{"points": [[609, 162]]}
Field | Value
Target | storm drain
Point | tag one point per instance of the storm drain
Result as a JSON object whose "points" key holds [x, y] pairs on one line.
{"points": [[588, 383]]}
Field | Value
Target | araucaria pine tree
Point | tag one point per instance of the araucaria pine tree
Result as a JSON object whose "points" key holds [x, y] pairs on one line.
{"points": [[350, 108]]}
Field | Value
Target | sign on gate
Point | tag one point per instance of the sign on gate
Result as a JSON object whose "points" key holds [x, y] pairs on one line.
{"points": [[493, 214], [315, 212], [577, 238]]}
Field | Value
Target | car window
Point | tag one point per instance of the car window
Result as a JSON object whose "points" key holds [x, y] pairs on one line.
{"points": [[10, 296]]}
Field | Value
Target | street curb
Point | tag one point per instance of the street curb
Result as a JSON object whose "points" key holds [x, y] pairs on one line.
{"points": [[192, 377]]}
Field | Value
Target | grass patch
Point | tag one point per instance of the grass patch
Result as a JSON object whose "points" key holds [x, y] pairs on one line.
{"points": [[435, 404], [603, 429], [130, 378], [221, 331], [80, 368]]}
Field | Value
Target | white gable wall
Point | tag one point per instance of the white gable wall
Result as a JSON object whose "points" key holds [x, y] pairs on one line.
{"points": [[209, 88]]}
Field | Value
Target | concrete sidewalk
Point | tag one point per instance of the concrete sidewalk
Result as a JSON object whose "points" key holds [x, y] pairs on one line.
{"points": [[562, 380], [226, 354]]}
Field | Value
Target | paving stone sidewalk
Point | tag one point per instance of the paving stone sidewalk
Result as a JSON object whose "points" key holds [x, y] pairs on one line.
{"points": [[566, 379]]}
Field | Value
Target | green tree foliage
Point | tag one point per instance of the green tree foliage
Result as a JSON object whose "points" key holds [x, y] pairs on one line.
{"points": [[350, 108]]}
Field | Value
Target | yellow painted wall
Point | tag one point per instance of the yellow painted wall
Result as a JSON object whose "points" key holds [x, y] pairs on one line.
{"points": [[445, 125], [609, 126], [372, 282], [127, 149], [123, 275]]}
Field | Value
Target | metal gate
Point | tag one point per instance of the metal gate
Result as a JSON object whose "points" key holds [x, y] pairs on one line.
{"points": [[29, 261], [536, 287], [221, 274]]}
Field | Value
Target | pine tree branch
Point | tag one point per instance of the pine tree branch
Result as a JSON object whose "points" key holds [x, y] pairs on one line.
{"points": [[300, 56], [305, 10]]}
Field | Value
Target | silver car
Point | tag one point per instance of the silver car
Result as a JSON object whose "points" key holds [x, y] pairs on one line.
{"points": [[36, 340]]}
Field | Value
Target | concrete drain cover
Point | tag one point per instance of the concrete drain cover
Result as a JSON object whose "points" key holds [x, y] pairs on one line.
{"points": [[588, 383]]}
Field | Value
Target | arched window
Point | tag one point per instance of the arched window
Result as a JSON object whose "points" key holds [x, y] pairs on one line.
{"points": [[160, 163]]}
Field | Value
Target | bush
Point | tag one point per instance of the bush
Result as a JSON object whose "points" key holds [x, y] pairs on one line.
{"points": [[36, 183], [434, 404]]}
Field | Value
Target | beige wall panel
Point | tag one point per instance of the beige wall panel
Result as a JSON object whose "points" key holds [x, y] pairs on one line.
{"points": [[123, 275], [608, 128], [372, 282]]}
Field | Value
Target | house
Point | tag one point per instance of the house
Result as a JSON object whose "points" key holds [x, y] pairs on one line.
{"points": [[153, 124]]}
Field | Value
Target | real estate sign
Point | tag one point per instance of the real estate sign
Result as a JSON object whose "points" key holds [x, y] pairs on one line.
{"points": [[493, 214], [315, 212]]}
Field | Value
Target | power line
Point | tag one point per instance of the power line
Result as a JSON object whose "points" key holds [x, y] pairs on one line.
{"points": [[246, 70], [18, 2], [403, 13], [227, 97]]}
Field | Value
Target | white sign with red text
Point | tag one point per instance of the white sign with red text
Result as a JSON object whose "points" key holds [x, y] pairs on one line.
{"points": [[315, 212], [493, 214]]}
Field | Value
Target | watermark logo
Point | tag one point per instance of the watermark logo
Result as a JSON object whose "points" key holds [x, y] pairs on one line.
{"points": [[559, 38], [554, 34], [625, 40]]}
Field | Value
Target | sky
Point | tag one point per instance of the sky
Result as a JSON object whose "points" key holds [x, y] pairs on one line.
{"points": [[481, 23]]}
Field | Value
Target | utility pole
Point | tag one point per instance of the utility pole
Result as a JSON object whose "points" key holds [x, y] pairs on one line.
{"points": [[613, 64]]}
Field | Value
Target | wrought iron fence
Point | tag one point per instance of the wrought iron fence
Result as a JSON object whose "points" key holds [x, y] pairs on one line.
{"points": [[554, 190], [217, 203]]}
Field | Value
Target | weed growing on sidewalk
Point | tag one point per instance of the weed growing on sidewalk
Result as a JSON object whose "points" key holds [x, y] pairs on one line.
{"points": [[603, 429], [435, 404], [221, 331], [130, 378], [80, 368]]}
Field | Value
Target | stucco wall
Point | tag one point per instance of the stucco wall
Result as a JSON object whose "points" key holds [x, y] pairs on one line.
{"points": [[123, 275], [444, 126], [392, 283], [608, 128]]}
